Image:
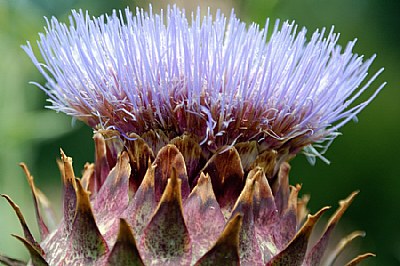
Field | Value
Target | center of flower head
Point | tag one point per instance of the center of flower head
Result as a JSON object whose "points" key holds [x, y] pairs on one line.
{"points": [[212, 78]]}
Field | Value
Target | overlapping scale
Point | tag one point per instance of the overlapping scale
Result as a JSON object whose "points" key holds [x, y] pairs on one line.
{"points": [[227, 214]]}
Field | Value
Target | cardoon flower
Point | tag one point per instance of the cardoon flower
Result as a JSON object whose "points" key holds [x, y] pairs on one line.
{"points": [[195, 122]]}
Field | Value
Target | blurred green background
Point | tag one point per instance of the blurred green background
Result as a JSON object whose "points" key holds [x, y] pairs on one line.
{"points": [[365, 158]]}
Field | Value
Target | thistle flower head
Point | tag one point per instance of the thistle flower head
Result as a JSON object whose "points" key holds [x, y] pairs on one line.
{"points": [[195, 124], [211, 77]]}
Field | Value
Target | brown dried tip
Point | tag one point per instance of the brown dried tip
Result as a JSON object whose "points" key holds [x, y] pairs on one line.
{"points": [[88, 176], [248, 152], [11, 262], [226, 249], [203, 189], [264, 201], [125, 251], [27, 233], [295, 251], [267, 161], [67, 170], [113, 196], [302, 210], [142, 206], [246, 196], [139, 156], [315, 255], [226, 172], [360, 258], [191, 151], [43, 229], [344, 204], [87, 241], [69, 190], [288, 219], [248, 247], [341, 246], [102, 167], [202, 206], [36, 257], [166, 237], [167, 159]]}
